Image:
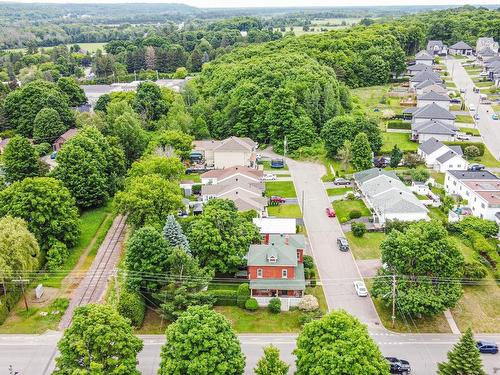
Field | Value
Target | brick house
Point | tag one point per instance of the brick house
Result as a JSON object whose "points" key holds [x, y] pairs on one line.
{"points": [[276, 268], [63, 138]]}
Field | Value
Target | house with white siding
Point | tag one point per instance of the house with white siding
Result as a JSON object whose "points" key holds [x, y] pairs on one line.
{"points": [[460, 48], [424, 57], [433, 97], [433, 121], [441, 157]]}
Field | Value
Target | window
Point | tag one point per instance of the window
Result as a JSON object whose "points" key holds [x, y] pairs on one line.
{"points": [[298, 255], [272, 259], [284, 273], [482, 205], [259, 273]]}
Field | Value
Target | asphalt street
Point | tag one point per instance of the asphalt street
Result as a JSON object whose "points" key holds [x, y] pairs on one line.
{"points": [[489, 128], [31, 354]]}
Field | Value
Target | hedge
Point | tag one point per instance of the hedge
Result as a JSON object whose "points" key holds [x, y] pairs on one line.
{"points": [[225, 297], [463, 145], [398, 124], [7, 303], [243, 294], [131, 305]]}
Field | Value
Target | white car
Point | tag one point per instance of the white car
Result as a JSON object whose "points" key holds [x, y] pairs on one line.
{"points": [[269, 177], [463, 137], [472, 107], [361, 290]]}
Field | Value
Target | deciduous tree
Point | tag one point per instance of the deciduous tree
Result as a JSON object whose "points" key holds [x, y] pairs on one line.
{"points": [[20, 160], [168, 168], [149, 102], [270, 363], [48, 126], [69, 86]]}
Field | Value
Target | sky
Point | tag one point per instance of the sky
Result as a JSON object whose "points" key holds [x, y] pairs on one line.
{"points": [[278, 3]]}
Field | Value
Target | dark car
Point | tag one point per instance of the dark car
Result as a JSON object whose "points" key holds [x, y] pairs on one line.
{"points": [[487, 347], [53, 155], [398, 366], [341, 181], [455, 101], [343, 244], [476, 167]]}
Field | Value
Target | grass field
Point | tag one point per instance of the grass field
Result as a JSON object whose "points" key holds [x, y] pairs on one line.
{"points": [[91, 47], [342, 208], [281, 188], [466, 119], [366, 247], [470, 131], [338, 191], [285, 210], [402, 140]]}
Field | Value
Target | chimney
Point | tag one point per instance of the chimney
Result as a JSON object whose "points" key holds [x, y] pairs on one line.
{"points": [[266, 239], [286, 239]]}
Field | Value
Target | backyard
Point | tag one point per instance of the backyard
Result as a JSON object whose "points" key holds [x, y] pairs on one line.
{"points": [[402, 140]]}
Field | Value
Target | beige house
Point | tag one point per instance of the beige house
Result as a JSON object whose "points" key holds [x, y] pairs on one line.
{"points": [[230, 152]]}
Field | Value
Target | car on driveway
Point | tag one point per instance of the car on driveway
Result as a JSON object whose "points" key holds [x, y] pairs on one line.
{"points": [[463, 137], [341, 181], [360, 288], [342, 244], [476, 117], [494, 117], [330, 212], [487, 347], [398, 366], [269, 177], [277, 199], [476, 167]]}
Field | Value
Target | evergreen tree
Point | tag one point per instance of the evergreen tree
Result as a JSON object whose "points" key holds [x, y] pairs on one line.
{"points": [[361, 152], [396, 156], [463, 359], [20, 160], [270, 363], [173, 233]]}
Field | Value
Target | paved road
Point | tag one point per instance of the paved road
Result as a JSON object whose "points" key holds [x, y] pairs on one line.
{"points": [[337, 270], [489, 128], [30, 354], [93, 286]]}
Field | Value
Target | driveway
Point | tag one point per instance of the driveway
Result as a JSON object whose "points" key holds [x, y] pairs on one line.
{"points": [[337, 270], [489, 128]]}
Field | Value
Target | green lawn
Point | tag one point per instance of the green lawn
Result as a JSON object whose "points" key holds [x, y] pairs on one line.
{"points": [[267, 166], [466, 119], [342, 208], [470, 131], [338, 191], [487, 160], [402, 140], [484, 84], [91, 47], [366, 247], [436, 214], [438, 177], [317, 291], [285, 210], [281, 188], [450, 84], [455, 107]]}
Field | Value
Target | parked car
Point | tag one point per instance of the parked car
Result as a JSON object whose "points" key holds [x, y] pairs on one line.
{"points": [[360, 288], [341, 181], [476, 117], [53, 155], [398, 366], [269, 177], [342, 244], [277, 199], [475, 90], [483, 73], [472, 107], [494, 117], [330, 212], [455, 101], [476, 167], [487, 347], [463, 137], [462, 91]]}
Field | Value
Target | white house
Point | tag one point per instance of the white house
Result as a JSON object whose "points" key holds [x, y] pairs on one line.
{"points": [[436, 47], [483, 43], [433, 121], [433, 97], [227, 153], [268, 225], [424, 76], [424, 57], [460, 48], [441, 157], [481, 189], [388, 197]]}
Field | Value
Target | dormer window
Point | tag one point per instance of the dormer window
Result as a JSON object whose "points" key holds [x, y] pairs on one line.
{"points": [[272, 258]]}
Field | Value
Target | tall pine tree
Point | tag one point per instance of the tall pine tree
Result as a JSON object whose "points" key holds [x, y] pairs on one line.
{"points": [[463, 359], [173, 233]]}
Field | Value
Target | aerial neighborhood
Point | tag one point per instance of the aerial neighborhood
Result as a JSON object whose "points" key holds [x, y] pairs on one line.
{"points": [[271, 191]]}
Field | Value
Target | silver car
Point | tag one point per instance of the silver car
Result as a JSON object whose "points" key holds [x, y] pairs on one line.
{"points": [[360, 288]]}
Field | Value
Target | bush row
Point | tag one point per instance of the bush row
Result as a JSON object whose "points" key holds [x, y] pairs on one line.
{"points": [[398, 124], [7, 303]]}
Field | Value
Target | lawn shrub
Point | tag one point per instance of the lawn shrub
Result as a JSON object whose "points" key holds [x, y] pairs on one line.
{"points": [[358, 229], [473, 271], [309, 316], [354, 214], [131, 305], [487, 228], [196, 189], [225, 297], [464, 145], [251, 304], [243, 294], [274, 305]]}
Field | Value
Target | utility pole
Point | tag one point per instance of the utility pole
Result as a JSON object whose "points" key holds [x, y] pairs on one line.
{"points": [[285, 145], [393, 300], [22, 281]]}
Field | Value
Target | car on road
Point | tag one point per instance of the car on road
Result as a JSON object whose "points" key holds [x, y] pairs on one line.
{"points": [[277, 199], [463, 137], [269, 177], [476, 117], [342, 244], [487, 347], [330, 212], [472, 107], [360, 288], [476, 167], [398, 366], [341, 181], [494, 117]]}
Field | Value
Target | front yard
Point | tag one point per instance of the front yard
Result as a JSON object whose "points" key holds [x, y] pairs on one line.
{"points": [[281, 188], [344, 207], [338, 191], [465, 119], [366, 247], [285, 210]]}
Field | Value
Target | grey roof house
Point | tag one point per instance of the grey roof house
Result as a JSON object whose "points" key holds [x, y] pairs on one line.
{"points": [[435, 121], [460, 48]]}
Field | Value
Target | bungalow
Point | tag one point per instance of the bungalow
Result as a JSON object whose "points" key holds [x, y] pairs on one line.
{"points": [[227, 153], [440, 157], [388, 197], [424, 57], [460, 48], [436, 47], [242, 185], [437, 88], [486, 53], [276, 269], [489, 43], [424, 76], [433, 97], [63, 138]]}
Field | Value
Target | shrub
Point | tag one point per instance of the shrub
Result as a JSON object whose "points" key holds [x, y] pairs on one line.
{"points": [[196, 189], [358, 229], [131, 305], [308, 261], [485, 227], [473, 271], [8, 302], [464, 145], [43, 149], [225, 297], [274, 305], [399, 225], [243, 294], [420, 174], [471, 152], [413, 160], [354, 214], [56, 255], [350, 196], [251, 304], [307, 317], [312, 277], [308, 303]]}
